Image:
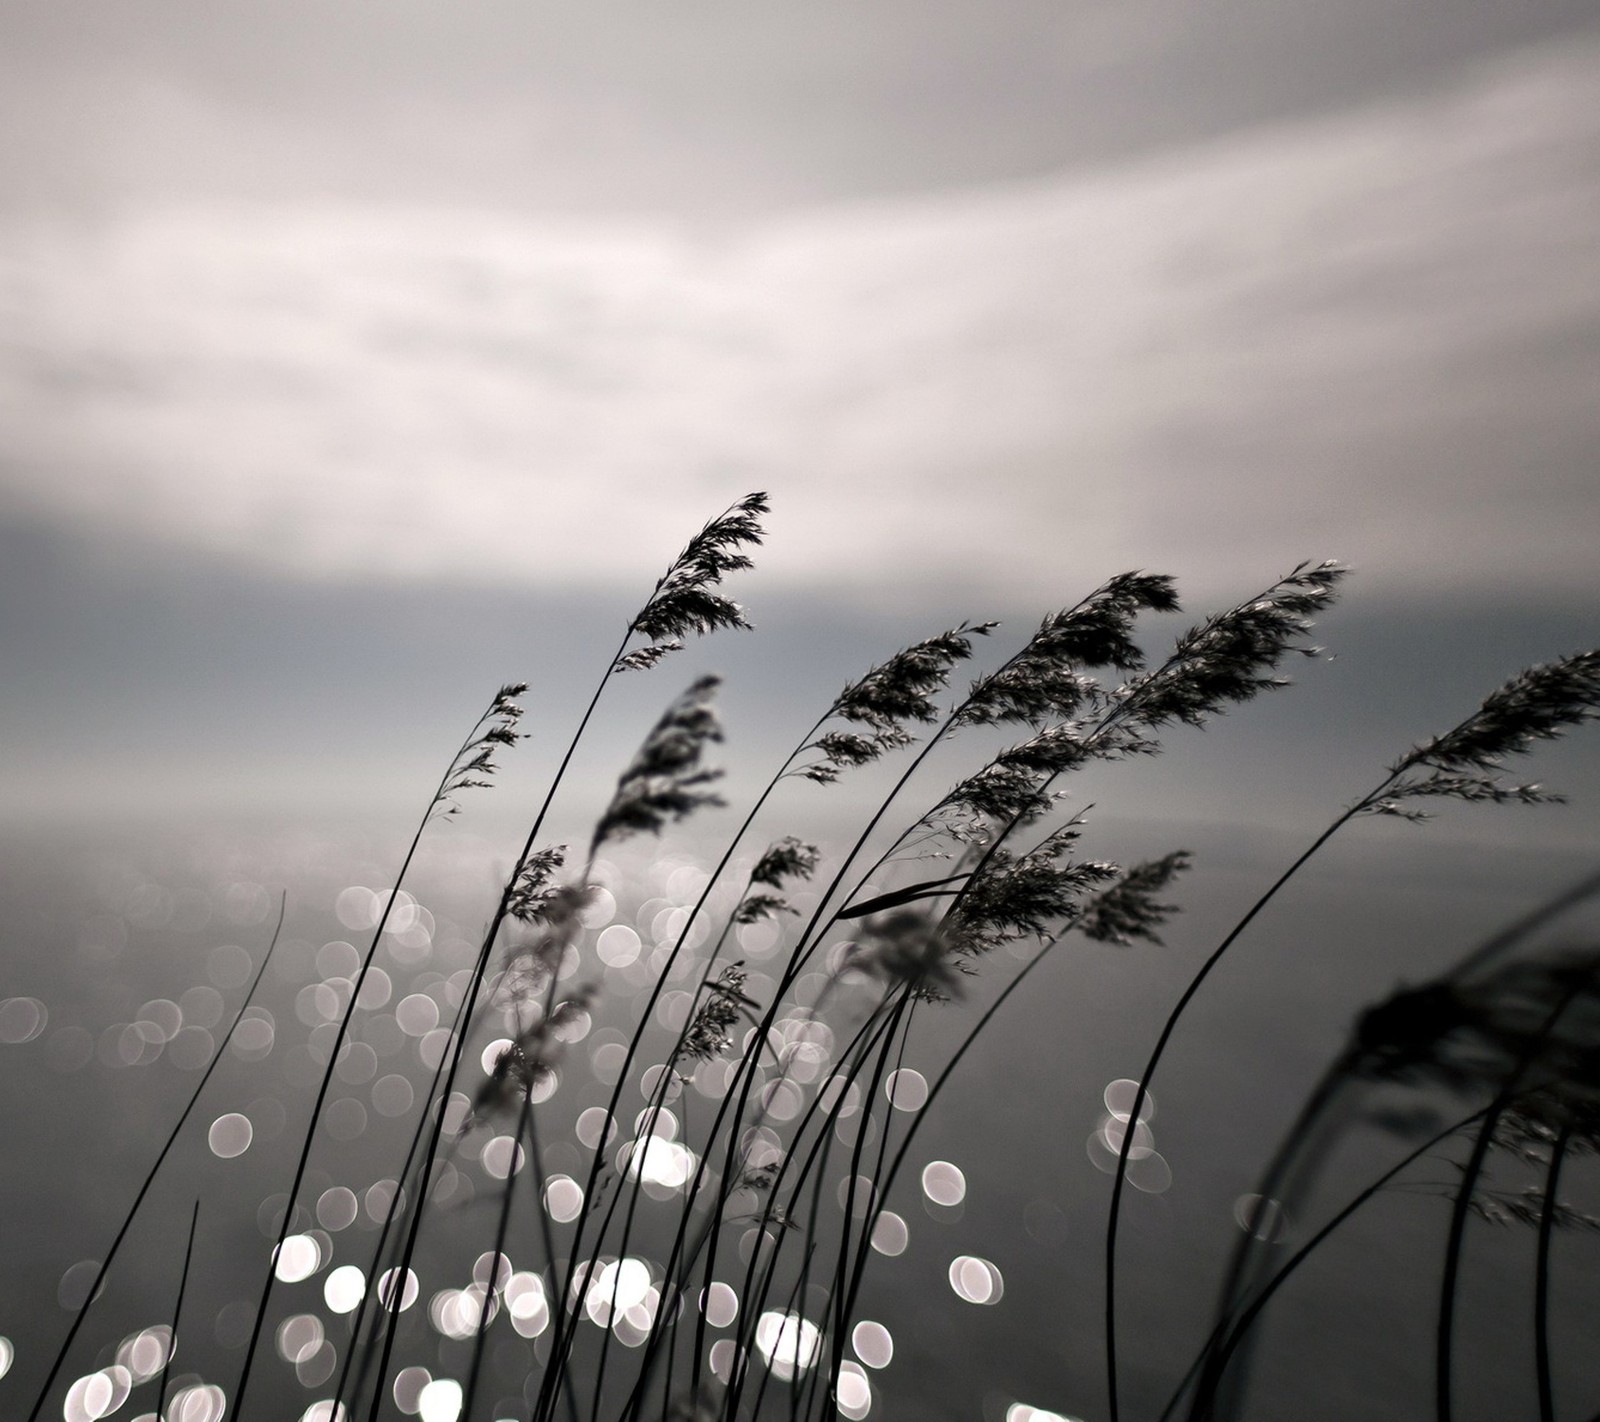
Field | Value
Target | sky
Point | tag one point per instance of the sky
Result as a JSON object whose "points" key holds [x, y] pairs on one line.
{"points": [[355, 359]]}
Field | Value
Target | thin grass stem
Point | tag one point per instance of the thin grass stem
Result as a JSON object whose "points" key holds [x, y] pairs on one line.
{"points": [[1142, 1092], [150, 1176], [458, 1047], [404, 1197], [1460, 1208], [1548, 1210], [1228, 1334], [177, 1314], [264, 1297]]}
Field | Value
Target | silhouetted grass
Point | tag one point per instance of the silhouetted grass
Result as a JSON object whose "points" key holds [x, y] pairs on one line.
{"points": [[786, 1186]]}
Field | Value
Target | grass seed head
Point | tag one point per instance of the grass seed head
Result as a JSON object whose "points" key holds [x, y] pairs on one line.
{"points": [[1129, 910], [1045, 681], [1232, 657], [666, 780], [685, 601], [1536, 705]]}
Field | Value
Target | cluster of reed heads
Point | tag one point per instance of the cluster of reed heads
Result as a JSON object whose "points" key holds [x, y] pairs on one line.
{"points": [[714, 1272]]}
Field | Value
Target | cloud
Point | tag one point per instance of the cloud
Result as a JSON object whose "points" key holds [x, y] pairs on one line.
{"points": [[1371, 335]]}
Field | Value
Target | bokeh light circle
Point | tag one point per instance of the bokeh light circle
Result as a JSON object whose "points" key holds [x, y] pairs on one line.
{"points": [[203, 1402], [563, 1198], [1150, 1173], [408, 1385], [392, 1095], [299, 1258], [889, 1234], [344, 1288], [721, 1305], [617, 946], [787, 1342], [874, 1344], [528, 1304], [299, 1336], [854, 1393], [392, 1295], [337, 1208], [502, 1156], [906, 1089], [975, 1280], [943, 1183], [721, 1357], [22, 1019], [1119, 1096], [440, 1401], [230, 1135]]}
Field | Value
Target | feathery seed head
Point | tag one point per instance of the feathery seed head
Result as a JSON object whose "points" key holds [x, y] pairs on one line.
{"points": [[532, 894], [665, 782], [644, 658], [787, 858], [474, 762], [1044, 681], [845, 749], [900, 689], [1001, 792], [1233, 656], [532, 1057], [1528, 1207], [708, 1032], [888, 697], [1128, 909], [504, 703], [1053, 751], [684, 601], [1530, 1023], [906, 949], [1022, 895], [755, 907], [553, 914], [1536, 705]]}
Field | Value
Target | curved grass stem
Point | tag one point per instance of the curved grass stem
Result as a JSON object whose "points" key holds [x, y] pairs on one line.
{"points": [[150, 1175]]}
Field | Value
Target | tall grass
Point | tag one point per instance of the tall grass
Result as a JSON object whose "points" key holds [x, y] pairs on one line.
{"points": [[707, 1261]]}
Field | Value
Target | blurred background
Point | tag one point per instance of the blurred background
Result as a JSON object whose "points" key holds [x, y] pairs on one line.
{"points": [[356, 360], [353, 362]]}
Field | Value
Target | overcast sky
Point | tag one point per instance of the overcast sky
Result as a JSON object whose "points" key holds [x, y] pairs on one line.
{"points": [[481, 301]]}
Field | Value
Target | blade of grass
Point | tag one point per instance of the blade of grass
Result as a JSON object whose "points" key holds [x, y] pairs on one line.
{"points": [[453, 778], [150, 1175], [1548, 1210], [177, 1314]]}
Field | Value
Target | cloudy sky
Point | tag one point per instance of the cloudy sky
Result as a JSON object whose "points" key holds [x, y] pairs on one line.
{"points": [[353, 355]]}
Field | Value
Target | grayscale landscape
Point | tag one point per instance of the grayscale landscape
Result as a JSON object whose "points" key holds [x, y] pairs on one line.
{"points": [[792, 711]]}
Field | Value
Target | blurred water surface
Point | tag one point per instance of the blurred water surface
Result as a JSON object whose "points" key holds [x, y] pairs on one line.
{"points": [[126, 955]]}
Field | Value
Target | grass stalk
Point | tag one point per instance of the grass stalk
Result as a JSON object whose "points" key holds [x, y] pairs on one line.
{"points": [[150, 1175], [780, 1131], [404, 1197], [1227, 1335], [1142, 1094], [1450, 1276], [454, 777], [1323, 1094], [1548, 1210], [1464, 763], [177, 1314]]}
